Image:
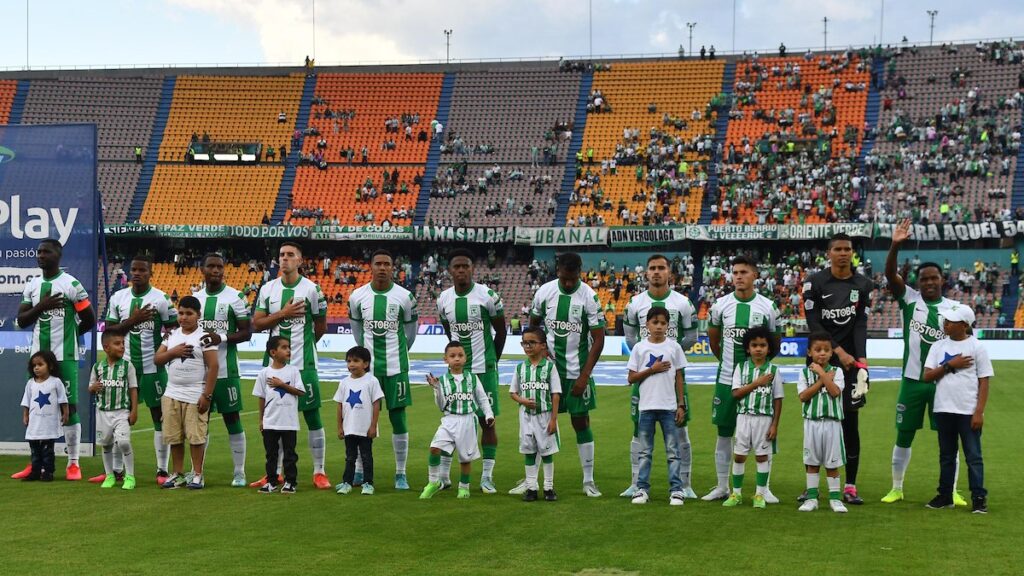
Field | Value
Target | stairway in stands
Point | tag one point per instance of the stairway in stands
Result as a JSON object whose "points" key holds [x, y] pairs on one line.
{"points": [[871, 114], [721, 128], [163, 110], [578, 125], [284, 191], [18, 105], [444, 105]]}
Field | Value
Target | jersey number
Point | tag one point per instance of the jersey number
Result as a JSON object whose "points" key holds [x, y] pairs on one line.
{"points": [[233, 394]]}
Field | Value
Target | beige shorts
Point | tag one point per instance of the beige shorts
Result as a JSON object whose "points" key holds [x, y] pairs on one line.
{"points": [[182, 421]]}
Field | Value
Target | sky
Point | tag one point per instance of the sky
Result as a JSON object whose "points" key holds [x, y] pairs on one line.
{"points": [[67, 34]]}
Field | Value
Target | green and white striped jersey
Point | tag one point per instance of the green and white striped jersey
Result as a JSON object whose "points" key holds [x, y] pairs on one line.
{"points": [[221, 312], [568, 318], [274, 296], [144, 339], [117, 379], [468, 317], [383, 316], [922, 327], [537, 383], [822, 405], [734, 317], [462, 394], [682, 315], [56, 330], [760, 401]]}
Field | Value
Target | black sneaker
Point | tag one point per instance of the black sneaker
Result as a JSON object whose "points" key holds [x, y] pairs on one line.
{"points": [[46, 477], [940, 501], [550, 495], [530, 496], [267, 488], [979, 505], [34, 476], [802, 497], [288, 488]]}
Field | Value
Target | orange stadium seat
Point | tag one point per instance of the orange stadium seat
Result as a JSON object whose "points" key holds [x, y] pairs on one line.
{"points": [[192, 194], [334, 191], [7, 90]]}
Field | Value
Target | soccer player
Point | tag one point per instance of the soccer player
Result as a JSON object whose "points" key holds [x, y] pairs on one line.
{"points": [[537, 389], [683, 329], [819, 387], [474, 315], [113, 383], [922, 327], [294, 307], [144, 312], [731, 316], [225, 320], [571, 315], [836, 302], [383, 316], [51, 303]]}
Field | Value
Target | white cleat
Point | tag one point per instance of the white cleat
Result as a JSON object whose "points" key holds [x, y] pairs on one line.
{"points": [[836, 505], [520, 488], [689, 494], [590, 489], [717, 493], [770, 498], [809, 505], [629, 492]]}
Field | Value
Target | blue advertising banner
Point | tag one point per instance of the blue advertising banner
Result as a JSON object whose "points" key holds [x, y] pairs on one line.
{"points": [[47, 190]]}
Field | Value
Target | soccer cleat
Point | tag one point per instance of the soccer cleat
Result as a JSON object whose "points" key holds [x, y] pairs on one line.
{"points": [[676, 499], [590, 489], [689, 494], [98, 479], [760, 501], [530, 496], [809, 505], [487, 486], [267, 488], [519, 488], [45, 477], [958, 499], [109, 482], [837, 506], [162, 476], [640, 497], [288, 488], [446, 484], [357, 479], [367, 489], [23, 474], [129, 482], [401, 482], [802, 497], [189, 476], [429, 490], [320, 481], [238, 481], [770, 498], [940, 502], [733, 500], [894, 495], [550, 495], [628, 492], [73, 473], [196, 483], [172, 482], [850, 496], [463, 493], [343, 488], [717, 493], [259, 483], [862, 386], [979, 505]]}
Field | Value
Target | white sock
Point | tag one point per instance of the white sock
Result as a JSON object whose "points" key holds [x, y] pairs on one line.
{"points": [[833, 484], [434, 473], [400, 444], [71, 435], [738, 468], [900, 461], [446, 470], [531, 477], [634, 459], [237, 443], [318, 449], [813, 479], [549, 475], [488, 469], [586, 451], [125, 449], [163, 451], [118, 464], [764, 468], [685, 456], [108, 460], [723, 455]]}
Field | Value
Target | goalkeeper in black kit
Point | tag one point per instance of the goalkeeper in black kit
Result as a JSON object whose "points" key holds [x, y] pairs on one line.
{"points": [[836, 301]]}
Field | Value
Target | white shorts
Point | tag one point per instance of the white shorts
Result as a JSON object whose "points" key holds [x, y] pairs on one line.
{"points": [[457, 432], [823, 444], [752, 435], [112, 426], [533, 434]]}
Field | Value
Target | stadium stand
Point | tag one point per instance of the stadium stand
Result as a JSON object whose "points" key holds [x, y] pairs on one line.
{"points": [[193, 194], [647, 99], [509, 278], [330, 195], [7, 90], [493, 195]]}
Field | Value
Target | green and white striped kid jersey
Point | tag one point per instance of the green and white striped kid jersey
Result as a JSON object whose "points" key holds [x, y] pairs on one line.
{"points": [[922, 327], [461, 394], [117, 379], [681, 314], [822, 406], [568, 318], [734, 317], [760, 401], [274, 296], [144, 339], [468, 317], [537, 383], [56, 330], [383, 316], [221, 312]]}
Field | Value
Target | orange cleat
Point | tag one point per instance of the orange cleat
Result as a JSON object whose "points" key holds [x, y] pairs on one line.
{"points": [[98, 479], [23, 474], [320, 481], [259, 483], [161, 477], [73, 472]]}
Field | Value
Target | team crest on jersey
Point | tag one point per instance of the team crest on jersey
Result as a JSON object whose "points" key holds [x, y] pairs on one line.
{"points": [[222, 309], [854, 296], [575, 312], [391, 313], [756, 319], [474, 312]]}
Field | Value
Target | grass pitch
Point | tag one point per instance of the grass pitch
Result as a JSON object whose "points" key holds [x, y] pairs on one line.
{"points": [[78, 528]]}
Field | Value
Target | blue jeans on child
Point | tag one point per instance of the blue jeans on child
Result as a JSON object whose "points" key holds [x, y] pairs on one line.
{"points": [[670, 433], [950, 428]]}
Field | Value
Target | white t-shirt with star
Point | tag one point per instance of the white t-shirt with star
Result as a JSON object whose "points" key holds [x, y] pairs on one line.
{"points": [[280, 409], [657, 391], [43, 400], [958, 393], [356, 396]]}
